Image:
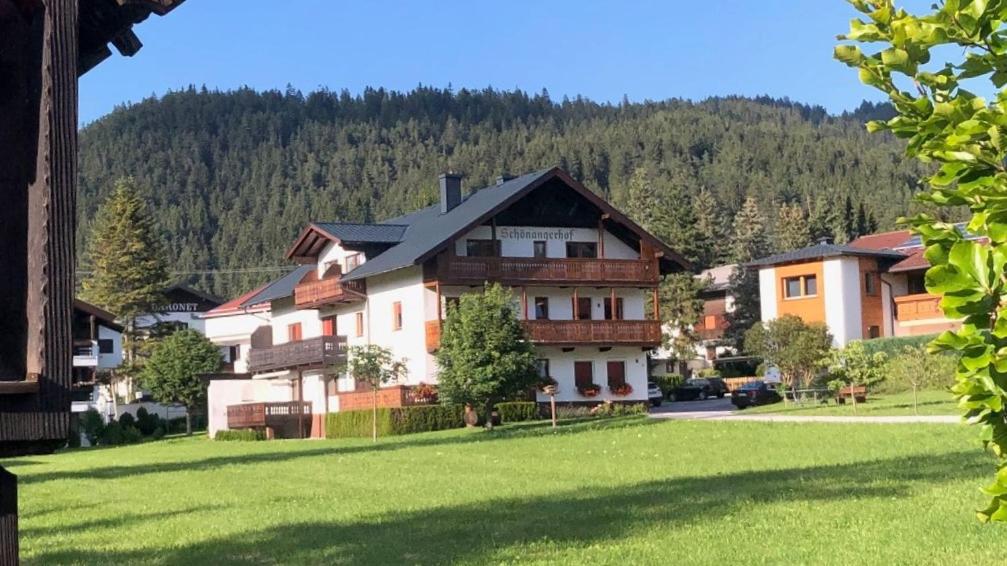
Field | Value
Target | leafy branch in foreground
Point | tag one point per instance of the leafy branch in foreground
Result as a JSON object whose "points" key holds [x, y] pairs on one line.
{"points": [[962, 134]]}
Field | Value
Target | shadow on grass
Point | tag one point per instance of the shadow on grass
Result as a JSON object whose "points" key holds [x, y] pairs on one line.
{"points": [[475, 532], [112, 523], [327, 448]]}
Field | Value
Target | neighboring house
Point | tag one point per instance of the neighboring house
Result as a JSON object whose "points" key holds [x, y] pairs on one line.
{"points": [[185, 307], [97, 348], [869, 288], [581, 272], [709, 330]]}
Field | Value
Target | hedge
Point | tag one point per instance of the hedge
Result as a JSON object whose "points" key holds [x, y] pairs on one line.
{"points": [[895, 345], [240, 434], [392, 421], [517, 411]]}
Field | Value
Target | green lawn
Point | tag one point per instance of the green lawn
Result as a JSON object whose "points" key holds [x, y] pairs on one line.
{"points": [[930, 403], [630, 491]]}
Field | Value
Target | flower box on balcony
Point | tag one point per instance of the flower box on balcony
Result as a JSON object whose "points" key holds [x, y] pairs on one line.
{"points": [[589, 390], [621, 390]]}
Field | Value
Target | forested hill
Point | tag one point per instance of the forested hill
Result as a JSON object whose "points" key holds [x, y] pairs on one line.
{"points": [[234, 175]]}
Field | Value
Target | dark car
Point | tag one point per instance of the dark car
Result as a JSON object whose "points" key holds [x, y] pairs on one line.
{"points": [[698, 388], [754, 393]]}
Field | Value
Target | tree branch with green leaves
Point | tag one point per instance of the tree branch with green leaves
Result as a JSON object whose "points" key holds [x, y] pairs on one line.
{"points": [[961, 134]]}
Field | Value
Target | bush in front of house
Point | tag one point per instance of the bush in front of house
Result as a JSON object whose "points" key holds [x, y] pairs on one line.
{"points": [[245, 434], [913, 368], [392, 421], [92, 425], [517, 411], [895, 345]]}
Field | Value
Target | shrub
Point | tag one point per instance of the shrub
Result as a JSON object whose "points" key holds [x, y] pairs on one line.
{"points": [[709, 372], [92, 425], [572, 412], [915, 365], [158, 433], [610, 409], [127, 420], [895, 345], [517, 411], [667, 382], [242, 434], [147, 422], [131, 435], [391, 421], [112, 435]]}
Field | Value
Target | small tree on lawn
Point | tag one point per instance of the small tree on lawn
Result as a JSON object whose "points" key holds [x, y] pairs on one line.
{"points": [[792, 345], [854, 366], [484, 355], [375, 366], [172, 374]]}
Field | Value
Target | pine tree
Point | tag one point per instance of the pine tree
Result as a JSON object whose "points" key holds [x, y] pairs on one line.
{"points": [[821, 218], [710, 231], [792, 229], [749, 243], [845, 226], [127, 261]]}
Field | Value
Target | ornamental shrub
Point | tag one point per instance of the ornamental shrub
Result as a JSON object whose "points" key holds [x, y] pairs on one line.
{"points": [[112, 435], [392, 421], [92, 425], [517, 411], [246, 434], [893, 346], [127, 420]]}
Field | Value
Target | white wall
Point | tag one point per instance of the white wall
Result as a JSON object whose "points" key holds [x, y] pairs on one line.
{"points": [[284, 313], [561, 369], [518, 241], [113, 360], [561, 301], [235, 330], [405, 286], [334, 253], [842, 305], [767, 293]]}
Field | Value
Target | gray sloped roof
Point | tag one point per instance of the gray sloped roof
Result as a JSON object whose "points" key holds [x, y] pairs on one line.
{"points": [[428, 228], [279, 289], [384, 233], [823, 250]]}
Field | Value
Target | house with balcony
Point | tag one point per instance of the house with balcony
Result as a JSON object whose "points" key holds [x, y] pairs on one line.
{"points": [[97, 347], [872, 287], [584, 279]]}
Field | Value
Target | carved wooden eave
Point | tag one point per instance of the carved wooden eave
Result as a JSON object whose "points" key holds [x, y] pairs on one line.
{"points": [[104, 22]]}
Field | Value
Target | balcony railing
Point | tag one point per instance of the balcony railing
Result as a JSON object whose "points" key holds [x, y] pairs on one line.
{"points": [[600, 332], [330, 290], [526, 271], [85, 354], [254, 415], [921, 306], [576, 333], [304, 354]]}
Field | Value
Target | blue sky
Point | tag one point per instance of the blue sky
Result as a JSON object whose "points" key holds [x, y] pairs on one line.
{"points": [[599, 49]]}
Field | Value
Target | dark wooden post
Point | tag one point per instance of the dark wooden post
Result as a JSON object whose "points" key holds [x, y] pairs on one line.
{"points": [[8, 519]]}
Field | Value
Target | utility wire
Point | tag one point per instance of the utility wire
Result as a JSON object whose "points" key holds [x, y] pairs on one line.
{"points": [[271, 269]]}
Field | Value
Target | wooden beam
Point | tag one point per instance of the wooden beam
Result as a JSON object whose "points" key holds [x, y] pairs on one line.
{"points": [[657, 306], [440, 316], [576, 306], [611, 299], [524, 301]]}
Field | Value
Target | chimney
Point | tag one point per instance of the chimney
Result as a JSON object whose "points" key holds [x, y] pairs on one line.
{"points": [[451, 191], [503, 178]]}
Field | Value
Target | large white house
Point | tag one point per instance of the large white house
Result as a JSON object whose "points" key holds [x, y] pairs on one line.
{"points": [[582, 274]]}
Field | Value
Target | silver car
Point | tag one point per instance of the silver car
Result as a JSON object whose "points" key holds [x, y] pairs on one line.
{"points": [[654, 394]]}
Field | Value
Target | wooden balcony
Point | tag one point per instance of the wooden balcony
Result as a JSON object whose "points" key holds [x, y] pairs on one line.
{"points": [[455, 270], [594, 332], [313, 293], [644, 333], [276, 415], [312, 353], [921, 306]]}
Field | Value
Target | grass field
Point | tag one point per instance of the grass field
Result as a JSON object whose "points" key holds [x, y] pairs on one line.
{"points": [[629, 491], [929, 403]]}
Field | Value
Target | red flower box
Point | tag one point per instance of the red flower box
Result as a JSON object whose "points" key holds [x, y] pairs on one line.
{"points": [[621, 390], [589, 390]]}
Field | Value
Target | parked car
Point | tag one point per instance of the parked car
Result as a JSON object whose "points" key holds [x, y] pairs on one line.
{"points": [[699, 388], [754, 393], [654, 394]]}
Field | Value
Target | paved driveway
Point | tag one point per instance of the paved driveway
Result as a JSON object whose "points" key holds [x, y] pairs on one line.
{"points": [[710, 408]]}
